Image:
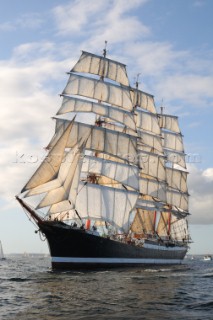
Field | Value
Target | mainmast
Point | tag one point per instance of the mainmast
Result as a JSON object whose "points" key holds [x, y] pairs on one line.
{"points": [[104, 55], [162, 107], [99, 121], [136, 86]]}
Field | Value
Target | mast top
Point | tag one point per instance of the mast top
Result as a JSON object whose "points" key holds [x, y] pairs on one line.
{"points": [[161, 107], [137, 80], [104, 50]]}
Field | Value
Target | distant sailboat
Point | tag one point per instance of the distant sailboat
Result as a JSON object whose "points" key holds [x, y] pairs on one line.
{"points": [[207, 258], [2, 257]]}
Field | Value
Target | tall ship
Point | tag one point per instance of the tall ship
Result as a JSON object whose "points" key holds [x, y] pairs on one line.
{"points": [[112, 190]]}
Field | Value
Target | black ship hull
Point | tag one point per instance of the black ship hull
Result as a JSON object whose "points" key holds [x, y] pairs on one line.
{"points": [[74, 248]]}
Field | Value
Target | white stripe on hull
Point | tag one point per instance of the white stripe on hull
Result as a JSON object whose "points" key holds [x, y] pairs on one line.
{"points": [[115, 260], [159, 247]]}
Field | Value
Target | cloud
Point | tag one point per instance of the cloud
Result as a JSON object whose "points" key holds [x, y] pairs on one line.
{"points": [[153, 59], [201, 195], [76, 15], [194, 124], [29, 21], [180, 77], [208, 174], [199, 3], [192, 88], [32, 50], [27, 104], [99, 20], [7, 26]]}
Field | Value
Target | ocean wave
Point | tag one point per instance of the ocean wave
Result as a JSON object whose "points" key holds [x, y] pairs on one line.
{"points": [[19, 279], [205, 306]]}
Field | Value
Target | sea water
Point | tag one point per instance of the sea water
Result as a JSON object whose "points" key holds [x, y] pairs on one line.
{"points": [[29, 289]]}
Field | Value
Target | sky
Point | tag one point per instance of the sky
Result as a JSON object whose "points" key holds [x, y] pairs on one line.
{"points": [[169, 42]]}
